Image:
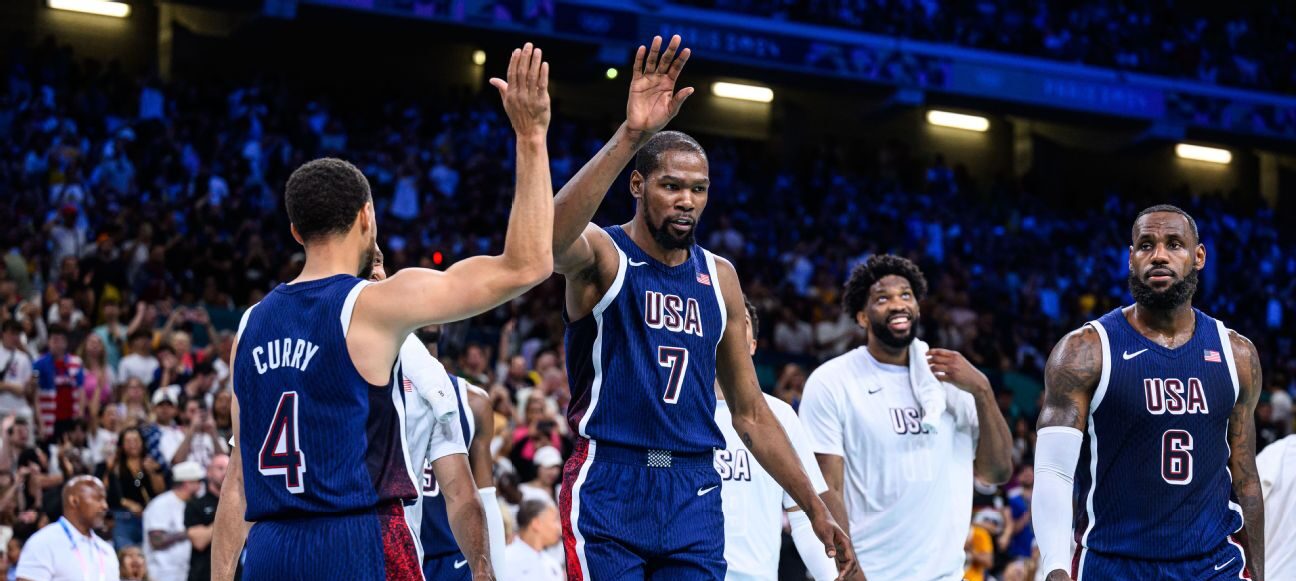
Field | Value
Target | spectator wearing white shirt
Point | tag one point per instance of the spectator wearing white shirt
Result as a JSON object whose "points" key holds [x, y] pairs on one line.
{"points": [[140, 364], [201, 443], [526, 558], [548, 462], [15, 372], [167, 547], [165, 408], [69, 549]]}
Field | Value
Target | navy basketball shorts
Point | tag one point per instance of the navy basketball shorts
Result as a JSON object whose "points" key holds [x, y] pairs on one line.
{"points": [[1225, 562], [374, 544], [451, 567], [630, 513]]}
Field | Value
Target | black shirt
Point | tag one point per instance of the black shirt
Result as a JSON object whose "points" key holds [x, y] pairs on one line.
{"points": [[200, 511]]}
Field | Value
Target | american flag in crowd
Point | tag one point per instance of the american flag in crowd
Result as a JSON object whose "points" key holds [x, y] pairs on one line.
{"points": [[704, 278], [1212, 356]]}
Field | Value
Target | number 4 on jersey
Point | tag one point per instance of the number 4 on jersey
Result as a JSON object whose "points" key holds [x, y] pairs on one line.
{"points": [[279, 452], [676, 359]]}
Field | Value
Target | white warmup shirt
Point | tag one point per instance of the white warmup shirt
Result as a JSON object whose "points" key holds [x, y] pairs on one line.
{"points": [[753, 502], [432, 429], [523, 563], [1277, 466], [908, 494], [166, 514], [59, 552]]}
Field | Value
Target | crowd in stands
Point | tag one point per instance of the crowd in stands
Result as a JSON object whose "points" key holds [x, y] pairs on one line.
{"points": [[1241, 44], [142, 218]]}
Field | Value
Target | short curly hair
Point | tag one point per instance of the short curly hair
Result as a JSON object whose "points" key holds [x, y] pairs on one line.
{"points": [[323, 197], [874, 269]]}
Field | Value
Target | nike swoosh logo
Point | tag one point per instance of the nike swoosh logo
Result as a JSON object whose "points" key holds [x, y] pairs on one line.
{"points": [[633, 263], [873, 391], [703, 491], [460, 564], [1218, 567], [1129, 355]]}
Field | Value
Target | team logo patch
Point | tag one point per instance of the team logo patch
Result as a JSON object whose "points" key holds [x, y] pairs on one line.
{"points": [[1212, 356], [704, 278]]}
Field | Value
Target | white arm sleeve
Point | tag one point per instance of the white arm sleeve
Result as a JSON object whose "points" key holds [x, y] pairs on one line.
{"points": [[818, 563], [1057, 450], [494, 527]]}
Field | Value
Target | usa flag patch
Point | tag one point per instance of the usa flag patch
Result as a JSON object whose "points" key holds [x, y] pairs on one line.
{"points": [[1213, 356], [704, 278], [407, 385]]}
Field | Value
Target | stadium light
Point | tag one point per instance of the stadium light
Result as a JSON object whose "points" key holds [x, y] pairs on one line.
{"points": [[743, 92], [1206, 154], [611, 73], [479, 57], [958, 120], [100, 7]]}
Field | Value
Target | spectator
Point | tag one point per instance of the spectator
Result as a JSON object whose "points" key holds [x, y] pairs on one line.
{"points": [[548, 462], [1019, 500], [199, 515], [60, 385], [45, 556], [201, 442], [100, 377], [133, 405], [134, 567], [103, 427], [170, 370], [164, 436], [140, 363], [986, 525], [221, 412], [538, 529], [168, 549], [15, 372], [473, 365], [792, 334], [134, 479], [30, 467], [538, 429], [112, 332], [13, 554]]}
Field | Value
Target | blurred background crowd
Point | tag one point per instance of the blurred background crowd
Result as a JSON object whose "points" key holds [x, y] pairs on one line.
{"points": [[141, 218]]}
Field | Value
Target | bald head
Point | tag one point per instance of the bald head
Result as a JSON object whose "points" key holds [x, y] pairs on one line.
{"points": [[79, 484], [84, 502]]}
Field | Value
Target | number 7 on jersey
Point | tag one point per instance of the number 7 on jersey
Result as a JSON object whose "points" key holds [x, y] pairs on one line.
{"points": [[675, 359]]}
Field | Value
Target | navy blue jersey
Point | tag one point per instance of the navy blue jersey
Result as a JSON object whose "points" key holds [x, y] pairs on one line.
{"points": [[434, 531], [315, 437], [1153, 480], [642, 364]]}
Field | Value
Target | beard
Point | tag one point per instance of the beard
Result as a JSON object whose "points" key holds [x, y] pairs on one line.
{"points": [[890, 339], [661, 233], [1178, 293], [367, 261]]}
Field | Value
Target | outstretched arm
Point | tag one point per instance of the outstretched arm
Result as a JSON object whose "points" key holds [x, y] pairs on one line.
{"points": [[761, 431], [1242, 453], [1070, 378], [467, 521], [653, 102], [415, 297]]}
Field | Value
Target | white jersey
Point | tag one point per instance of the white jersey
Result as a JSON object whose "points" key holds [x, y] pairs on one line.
{"points": [[753, 502], [432, 428], [908, 493], [1277, 467]]}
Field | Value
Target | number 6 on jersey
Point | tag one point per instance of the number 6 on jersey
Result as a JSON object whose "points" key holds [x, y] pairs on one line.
{"points": [[676, 359], [279, 452]]}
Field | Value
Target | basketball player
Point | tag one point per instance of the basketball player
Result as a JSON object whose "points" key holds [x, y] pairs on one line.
{"points": [[1151, 407], [903, 488], [314, 361], [646, 341], [754, 504], [467, 420]]}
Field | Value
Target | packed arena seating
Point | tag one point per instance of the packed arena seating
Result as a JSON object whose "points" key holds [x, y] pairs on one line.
{"points": [[1240, 44], [126, 191]]}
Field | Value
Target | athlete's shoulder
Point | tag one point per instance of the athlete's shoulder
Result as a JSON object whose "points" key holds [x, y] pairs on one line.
{"points": [[837, 366]]}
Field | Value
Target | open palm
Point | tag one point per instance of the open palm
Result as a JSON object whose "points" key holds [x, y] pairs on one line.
{"points": [[653, 100]]}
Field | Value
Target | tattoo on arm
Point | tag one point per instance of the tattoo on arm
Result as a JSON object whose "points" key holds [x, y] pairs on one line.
{"points": [[1070, 378], [747, 440], [1242, 436]]}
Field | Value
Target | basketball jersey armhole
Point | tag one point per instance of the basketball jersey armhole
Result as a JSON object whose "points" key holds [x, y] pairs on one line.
{"points": [[1099, 393], [715, 284], [1226, 345], [1105, 378], [348, 306], [615, 288], [244, 321]]}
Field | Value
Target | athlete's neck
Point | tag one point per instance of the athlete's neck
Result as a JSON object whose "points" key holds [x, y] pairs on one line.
{"points": [[329, 258], [887, 354], [1170, 328], [639, 233]]}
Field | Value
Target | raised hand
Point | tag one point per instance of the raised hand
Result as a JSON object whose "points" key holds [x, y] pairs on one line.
{"points": [[653, 100], [525, 92]]}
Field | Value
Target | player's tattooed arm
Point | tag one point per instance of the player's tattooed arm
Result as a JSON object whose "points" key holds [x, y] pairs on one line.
{"points": [[651, 104], [1242, 462], [1070, 378]]}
